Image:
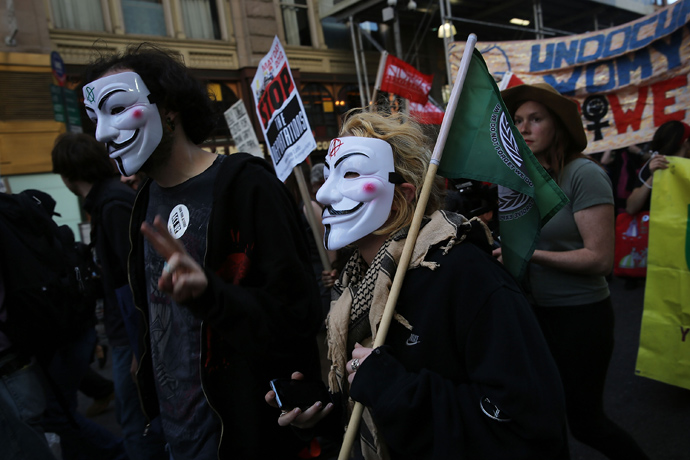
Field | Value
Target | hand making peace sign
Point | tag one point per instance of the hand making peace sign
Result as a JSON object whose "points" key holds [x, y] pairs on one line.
{"points": [[182, 277]]}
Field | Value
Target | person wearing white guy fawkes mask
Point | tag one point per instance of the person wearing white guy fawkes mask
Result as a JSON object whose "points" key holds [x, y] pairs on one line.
{"points": [[225, 288], [360, 191], [465, 371], [126, 119]]}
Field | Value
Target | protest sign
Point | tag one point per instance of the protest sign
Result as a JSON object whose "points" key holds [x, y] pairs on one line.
{"points": [[398, 77], [427, 114], [241, 129], [283, 120], [664, 352]]}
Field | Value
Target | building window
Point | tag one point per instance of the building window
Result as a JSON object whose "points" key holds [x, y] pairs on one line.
{"points": [[320, 108], [348, 98], [144, 17], [200, 19], [30, 102], [78, 15], [296, 22], [220, 140], [336, 34]]}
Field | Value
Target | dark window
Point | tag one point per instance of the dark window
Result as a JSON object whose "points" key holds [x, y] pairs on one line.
{"points": [[296, 22], [320, 108]]}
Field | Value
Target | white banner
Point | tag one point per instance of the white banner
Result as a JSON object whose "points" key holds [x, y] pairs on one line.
{"points": [[627, 80], [241, 129], [284, 122]]}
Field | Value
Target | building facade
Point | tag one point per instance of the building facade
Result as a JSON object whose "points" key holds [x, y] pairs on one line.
{"points": [[222, 41]]}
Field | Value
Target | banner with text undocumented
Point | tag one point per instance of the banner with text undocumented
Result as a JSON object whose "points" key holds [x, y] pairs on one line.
{"points": [[283, 120], [664, 352], [628, 80]]}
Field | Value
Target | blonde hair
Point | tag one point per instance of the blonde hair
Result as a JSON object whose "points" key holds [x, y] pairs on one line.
{"points": [[411, 155]]}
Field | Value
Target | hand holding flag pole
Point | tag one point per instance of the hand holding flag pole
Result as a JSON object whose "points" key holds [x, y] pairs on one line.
{"points": [[353, 426]]}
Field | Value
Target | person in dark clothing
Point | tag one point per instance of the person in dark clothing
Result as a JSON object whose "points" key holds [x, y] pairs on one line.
{"points": [[566, 276], [98, 388], [622, 166], [219, 265], [53, 325], [465, 371], [22, 398], [670, 139], [86, 170]]}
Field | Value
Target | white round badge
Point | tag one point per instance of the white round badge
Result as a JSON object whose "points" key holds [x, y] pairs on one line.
{"points": [[178, 222]]}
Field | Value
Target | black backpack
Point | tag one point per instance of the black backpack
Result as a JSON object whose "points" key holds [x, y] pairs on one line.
{"points": [[52, 284]]}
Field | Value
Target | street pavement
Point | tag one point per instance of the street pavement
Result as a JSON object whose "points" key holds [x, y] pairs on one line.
{"points": [[656, 414]]}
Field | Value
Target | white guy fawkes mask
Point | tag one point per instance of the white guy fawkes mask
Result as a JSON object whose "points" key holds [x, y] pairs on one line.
{"points": [[126, 120], [358, 192]]}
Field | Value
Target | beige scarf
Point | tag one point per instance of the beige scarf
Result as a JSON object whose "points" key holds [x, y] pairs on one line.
{"points": [[359, 299]]}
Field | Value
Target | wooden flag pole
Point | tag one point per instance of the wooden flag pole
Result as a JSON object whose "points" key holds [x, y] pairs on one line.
{"points": [[379, 78], [311, 218], [353, 425]]}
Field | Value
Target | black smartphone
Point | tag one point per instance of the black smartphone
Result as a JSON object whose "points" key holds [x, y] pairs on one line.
{"points": [[291, 393]]}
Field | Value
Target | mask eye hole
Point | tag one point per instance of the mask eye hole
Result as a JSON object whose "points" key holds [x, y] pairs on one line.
{"points": [[116, 110], [351, 175]]}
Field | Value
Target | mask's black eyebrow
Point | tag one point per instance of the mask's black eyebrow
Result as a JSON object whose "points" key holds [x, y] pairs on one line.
{"points": [[348, 156], [105, 98]]}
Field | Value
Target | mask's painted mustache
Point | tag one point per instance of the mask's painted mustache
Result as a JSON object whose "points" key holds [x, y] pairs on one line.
{"points": [[115, 146], [334, 212]]}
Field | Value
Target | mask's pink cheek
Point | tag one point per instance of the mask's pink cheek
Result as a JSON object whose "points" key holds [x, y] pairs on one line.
{"points": [[137, 114], [369, 188]]}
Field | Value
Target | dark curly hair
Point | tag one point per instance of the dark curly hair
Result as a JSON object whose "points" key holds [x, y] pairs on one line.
{"points": [[80, 157], [172, 85]]}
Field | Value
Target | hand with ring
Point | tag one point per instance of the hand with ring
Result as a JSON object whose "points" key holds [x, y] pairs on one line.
{"points": [[359, 354]]}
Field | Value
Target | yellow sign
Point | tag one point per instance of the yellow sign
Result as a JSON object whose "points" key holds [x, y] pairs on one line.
{"points": [[664, 353]]}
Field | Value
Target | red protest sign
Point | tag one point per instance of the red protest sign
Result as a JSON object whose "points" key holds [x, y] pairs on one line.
{"points": [[402, 79]]}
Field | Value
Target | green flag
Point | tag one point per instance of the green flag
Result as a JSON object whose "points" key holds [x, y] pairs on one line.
{"points": [[483, 144]]}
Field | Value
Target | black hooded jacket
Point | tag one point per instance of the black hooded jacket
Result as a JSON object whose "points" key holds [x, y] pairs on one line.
{"points": [[474, 378], [260, 313]]}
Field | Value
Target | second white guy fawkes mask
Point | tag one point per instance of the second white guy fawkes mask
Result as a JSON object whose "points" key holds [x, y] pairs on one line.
{"points": [[127, 121], [358, 192]]}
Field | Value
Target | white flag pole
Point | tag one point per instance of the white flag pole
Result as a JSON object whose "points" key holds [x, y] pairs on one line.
{"points": [[379, 77], [353, 426]]}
